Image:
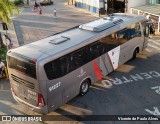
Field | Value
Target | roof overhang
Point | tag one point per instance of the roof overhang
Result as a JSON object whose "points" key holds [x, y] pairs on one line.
{"points": [[149, 9]]}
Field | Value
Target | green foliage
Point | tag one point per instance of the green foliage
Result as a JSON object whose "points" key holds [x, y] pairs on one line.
{"points": [[7, 9], [18, 2]]}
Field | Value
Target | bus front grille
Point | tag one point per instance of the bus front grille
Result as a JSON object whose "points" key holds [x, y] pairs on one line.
{"points": [[22, 81]]}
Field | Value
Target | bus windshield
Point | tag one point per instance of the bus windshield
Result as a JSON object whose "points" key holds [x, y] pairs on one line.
{"points": [[22, 64]]}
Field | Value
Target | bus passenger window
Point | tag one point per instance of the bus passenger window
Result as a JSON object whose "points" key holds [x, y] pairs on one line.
{"points": [[110, 41], [78, 58], [51, 70], [97, 49], [57, 68], [135, 30], [122, 36], [64, 65]]}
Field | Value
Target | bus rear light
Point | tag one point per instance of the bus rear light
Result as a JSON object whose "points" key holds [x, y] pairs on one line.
{"points": [[34, 60], [41, 101], [13, 91]]}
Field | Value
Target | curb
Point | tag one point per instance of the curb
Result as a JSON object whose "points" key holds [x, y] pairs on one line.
{"points": [[25, 6], [17, 42]]}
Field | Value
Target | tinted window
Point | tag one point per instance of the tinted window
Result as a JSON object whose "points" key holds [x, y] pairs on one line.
{"points": [[135, 30], [123, 35], [96, 49], [22, 64], [110, 41], [128, 33], [57, 68], [66, 64], [78, 58]]}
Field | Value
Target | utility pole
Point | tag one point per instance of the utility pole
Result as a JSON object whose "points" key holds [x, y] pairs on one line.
{"points": [[28, 2]]}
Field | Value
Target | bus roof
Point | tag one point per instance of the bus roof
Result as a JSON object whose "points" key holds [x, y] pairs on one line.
{"points": [[67, 41]]}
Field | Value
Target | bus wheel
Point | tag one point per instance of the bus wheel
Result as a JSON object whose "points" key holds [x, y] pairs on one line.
{"points": [[84, 87], [135, 53]]}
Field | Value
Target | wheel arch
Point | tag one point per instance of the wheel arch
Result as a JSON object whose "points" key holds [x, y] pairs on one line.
{"points": [[137, 49], [86, 78]]}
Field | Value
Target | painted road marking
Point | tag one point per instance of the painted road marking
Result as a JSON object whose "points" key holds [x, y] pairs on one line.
{"points": [[154, 42], [154, 112], [156, 88], [134, 77], [148, 50], [20, 11], [157, 48]]}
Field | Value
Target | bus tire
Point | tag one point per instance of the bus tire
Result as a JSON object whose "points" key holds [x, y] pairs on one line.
{"points": [[84, 87], [135, 53]]}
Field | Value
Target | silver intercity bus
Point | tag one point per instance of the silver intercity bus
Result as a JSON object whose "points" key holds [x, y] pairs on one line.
{"points": [[48, 73]]}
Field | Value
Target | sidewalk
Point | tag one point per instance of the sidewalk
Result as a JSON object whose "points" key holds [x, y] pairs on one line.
{"points": [[4, 80], [155, 38]]}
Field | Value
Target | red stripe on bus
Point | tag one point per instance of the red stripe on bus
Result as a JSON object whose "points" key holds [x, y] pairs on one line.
{"points": [[97, 71]]}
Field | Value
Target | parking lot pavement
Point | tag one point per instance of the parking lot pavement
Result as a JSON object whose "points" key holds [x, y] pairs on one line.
{"points": [[30, 26], [4, 84]]}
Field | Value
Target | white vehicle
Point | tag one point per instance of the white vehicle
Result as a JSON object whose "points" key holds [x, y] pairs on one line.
{"points": [[48, 73]]}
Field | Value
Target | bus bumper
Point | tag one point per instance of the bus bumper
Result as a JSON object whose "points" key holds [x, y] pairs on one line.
{"points": [[42, 110]]}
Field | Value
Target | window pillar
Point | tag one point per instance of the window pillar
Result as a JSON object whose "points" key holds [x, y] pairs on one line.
{"points": [[159, 24]]}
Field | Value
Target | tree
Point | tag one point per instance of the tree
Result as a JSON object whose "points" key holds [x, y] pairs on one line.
{"points": [[7, 10]]}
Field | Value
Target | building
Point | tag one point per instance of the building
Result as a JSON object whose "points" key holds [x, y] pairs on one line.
{"points": [[148, 8], [151, 10], [108, 6]]}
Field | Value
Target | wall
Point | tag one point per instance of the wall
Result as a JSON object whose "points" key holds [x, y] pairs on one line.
{"points": [[90, 5], [94, 5], [134, 3], [153, 1]]}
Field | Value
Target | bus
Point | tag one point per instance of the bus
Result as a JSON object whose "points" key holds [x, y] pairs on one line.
{"points": [[47, 73]]}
